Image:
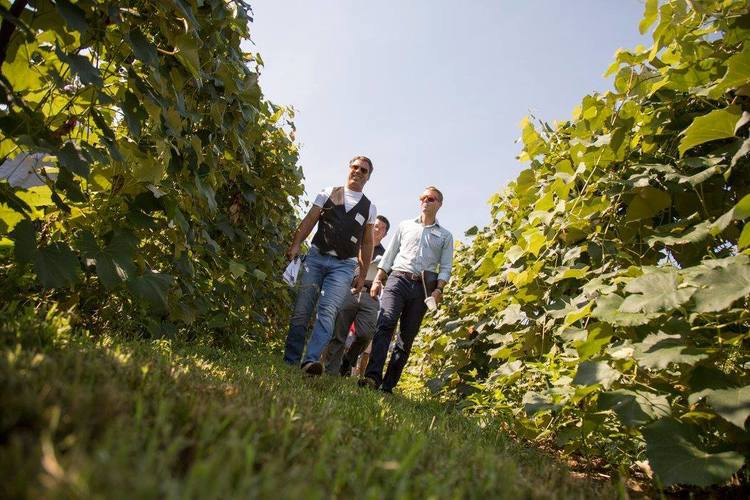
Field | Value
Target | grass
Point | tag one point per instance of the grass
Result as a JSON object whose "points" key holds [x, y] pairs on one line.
{"points": [[106, 417]]}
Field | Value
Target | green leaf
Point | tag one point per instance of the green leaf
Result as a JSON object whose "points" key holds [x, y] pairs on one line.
{"points": [[733, 405], [236, 269], [534, 402], [742, 208], [708, 377], [152, 288], [114, 264], [659, 350], [20, 74], [722, 282], [567, 273], [744, 241], [72, 159], [56, 266], [738, 212], [24, 236], [533, 144], [647, 202], [596, 372], [675, 456], [744, 150], [694, 234], [86, 244], [738, 72], [135, 113], [82, 67], [143, 48], [718, 124], [10, 198], [207, 193], [187, 52], [608, 310], [655, 291], [649, 16], [598, 336], [74, 16], [186, 10], [70, 186], [634, 408]]}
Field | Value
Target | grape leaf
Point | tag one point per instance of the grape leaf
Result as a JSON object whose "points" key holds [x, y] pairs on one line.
{"points": [[659, 350], [56, 266], [676, 457], [718, 124]]}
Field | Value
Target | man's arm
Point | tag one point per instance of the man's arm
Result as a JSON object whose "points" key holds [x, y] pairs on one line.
{"points": [[385, 264], [365, 256], [303, 231], [446, 265]]}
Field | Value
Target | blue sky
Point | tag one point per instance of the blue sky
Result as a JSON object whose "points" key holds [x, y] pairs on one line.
{"points": [[433, 91]]}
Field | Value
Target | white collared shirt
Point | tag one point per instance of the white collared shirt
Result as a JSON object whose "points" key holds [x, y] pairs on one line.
{"points": [[416, 248]]}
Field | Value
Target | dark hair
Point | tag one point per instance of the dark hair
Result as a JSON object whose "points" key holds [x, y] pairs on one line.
{"points": [[363, 158], [385, 221]]}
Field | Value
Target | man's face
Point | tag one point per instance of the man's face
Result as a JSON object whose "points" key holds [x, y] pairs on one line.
{"points": [[429, 203], [359, 174], [379, 230]]}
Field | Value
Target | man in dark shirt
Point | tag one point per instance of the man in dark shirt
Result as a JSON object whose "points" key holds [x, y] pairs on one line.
{"points": [[360, 309]]}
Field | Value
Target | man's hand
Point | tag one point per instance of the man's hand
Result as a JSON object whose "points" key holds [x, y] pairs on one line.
{"points": [[377, 285], [358, 284], [292, 251], [437, 294]]}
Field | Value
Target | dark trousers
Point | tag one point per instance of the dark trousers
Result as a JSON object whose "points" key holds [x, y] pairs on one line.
{"points": [[402, 299]]}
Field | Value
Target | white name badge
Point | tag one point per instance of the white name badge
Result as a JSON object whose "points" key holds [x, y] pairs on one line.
{"points": [[435, 232], [354, 239], [359, 219]]}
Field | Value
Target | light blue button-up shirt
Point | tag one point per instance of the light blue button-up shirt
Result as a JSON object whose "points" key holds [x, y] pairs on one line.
{"points": [[416, 248]]}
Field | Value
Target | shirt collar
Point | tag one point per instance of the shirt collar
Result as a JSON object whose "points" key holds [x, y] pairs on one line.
{"points": [[419, 221]]}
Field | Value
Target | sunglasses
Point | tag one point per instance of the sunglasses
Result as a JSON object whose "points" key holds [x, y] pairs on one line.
{"points": [[428, 199], [361, 168]]}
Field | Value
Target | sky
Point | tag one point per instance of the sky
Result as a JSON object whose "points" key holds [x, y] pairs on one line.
{"points": [[432, 91]]}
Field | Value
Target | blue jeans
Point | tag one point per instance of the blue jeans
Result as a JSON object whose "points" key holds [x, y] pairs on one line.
{"points": [[331, 278]]}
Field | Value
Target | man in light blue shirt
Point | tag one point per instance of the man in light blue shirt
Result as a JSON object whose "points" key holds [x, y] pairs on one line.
{"points": [[420, 248]]}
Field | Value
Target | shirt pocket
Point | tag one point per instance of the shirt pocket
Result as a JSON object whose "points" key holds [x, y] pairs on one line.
{"points": [[435, 241]]}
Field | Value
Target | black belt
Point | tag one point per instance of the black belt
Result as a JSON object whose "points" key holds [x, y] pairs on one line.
{"points": [[411, 276]]}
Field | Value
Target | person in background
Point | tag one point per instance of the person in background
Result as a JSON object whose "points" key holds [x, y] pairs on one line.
{"points": [[360, 309], [343, 241], [419, 247]]}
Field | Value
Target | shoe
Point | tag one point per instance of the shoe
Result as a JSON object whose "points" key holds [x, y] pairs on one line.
{"points": [[346, 368], [387, 391], [367, 382], [313, 368]]}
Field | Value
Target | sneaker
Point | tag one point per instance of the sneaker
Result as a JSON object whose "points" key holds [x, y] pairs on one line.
{"points": [[313, 368], [367, 382]]}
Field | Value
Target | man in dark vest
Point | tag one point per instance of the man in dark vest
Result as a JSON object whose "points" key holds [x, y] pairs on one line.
{"points": [[362, 310], [343, 242]]}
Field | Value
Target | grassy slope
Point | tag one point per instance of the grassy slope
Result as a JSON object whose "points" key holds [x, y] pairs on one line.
{"points": [[85, 417]]}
